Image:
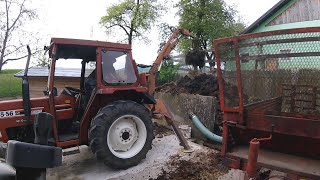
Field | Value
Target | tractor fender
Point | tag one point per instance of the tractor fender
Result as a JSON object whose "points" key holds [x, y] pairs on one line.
{"points": [[147, 98]]}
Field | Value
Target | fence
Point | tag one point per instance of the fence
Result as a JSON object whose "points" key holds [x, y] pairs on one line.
{"points": [[271, 65]]}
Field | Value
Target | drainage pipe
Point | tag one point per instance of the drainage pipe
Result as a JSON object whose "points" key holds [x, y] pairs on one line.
{"points": [[205, 131]]}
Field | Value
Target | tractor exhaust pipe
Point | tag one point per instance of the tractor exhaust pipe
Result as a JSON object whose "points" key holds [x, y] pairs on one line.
{"points": [[25, 89]]}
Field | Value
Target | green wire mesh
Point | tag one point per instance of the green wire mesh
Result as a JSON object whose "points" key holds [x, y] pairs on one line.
{"points": [[283, 67]]}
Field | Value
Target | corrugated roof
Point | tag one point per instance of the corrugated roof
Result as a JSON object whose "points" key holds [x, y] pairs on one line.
{"points": [[266, 16], [60, 72]]}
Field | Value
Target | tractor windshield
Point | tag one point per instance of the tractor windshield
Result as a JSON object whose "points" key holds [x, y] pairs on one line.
{"points": [[117, 67]]}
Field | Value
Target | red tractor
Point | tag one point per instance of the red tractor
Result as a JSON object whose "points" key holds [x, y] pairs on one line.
{"points": [[111, 111]]}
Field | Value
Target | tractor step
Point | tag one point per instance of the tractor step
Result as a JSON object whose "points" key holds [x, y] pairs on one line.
{"points": [[70, 151]]}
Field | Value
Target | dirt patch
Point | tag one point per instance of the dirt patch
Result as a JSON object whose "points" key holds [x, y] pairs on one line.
{"points": [[203, 84], [196, 168], [161, 131]]}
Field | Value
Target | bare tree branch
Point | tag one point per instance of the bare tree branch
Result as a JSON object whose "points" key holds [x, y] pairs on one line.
{"points": [[19, 15], [126, 31], [15, 59], [11, 29]]}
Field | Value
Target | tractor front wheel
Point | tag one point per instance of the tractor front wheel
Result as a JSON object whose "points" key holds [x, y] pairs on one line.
{"points": [[121, 134]]}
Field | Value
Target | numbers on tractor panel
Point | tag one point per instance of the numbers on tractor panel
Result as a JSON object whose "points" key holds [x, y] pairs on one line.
{"points": [[7, 113]]}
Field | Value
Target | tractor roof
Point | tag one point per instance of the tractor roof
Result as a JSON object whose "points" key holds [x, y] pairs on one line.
{"points": [[83, 49], [82, 42]]}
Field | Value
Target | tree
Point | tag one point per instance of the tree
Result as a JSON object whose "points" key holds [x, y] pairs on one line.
{"points": [[42, 61], [14, 14], [132, 17], [208, 20], [168, 72]]}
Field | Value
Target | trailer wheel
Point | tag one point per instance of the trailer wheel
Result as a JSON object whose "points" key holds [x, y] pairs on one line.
{"points": [[121, 134]]}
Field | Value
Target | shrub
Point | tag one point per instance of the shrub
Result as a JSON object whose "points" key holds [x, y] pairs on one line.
{"points": [[168, 73]]}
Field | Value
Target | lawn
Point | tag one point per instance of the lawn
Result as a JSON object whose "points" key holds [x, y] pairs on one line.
{"points": [[10, 86]]}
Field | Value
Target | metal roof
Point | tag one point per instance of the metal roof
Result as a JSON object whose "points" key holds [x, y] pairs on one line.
{"points": [[82, 42], [266, 16], [59, 72]]}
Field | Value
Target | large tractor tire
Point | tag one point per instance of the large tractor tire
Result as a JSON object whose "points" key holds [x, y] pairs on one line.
{"points": [[121, 134]]}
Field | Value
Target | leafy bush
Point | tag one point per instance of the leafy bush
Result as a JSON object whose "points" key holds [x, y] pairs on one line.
{"points": [[168, 73]]}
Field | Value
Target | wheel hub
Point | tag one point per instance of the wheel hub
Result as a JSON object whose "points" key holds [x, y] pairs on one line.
{"points": [[124, 135]]}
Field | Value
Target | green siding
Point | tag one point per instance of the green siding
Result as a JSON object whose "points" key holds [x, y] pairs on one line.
{"points": [[293, 63], [314, 23]]}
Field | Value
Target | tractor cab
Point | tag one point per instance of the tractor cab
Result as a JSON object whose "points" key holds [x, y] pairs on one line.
{"points": [[112, 63], [108, 73]]}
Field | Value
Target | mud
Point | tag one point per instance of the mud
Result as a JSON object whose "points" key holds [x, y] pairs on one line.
{"points": [[206, 85], [203, 84], [160, 130], [196, 168], [84, 166]]}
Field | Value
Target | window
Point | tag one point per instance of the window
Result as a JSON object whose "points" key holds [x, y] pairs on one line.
{"points": [[117, 68]]}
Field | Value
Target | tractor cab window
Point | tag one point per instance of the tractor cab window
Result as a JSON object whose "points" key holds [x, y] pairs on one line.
{"points": [[117, 67]]}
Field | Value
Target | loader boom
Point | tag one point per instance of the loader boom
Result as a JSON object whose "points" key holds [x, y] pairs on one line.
{"points": [[165, 51]]}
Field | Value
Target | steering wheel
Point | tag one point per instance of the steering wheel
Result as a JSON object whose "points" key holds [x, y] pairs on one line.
{"points": [[73, 91]]}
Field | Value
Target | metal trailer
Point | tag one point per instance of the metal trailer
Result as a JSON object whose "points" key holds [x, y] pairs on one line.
{"points": [[270, 97]]}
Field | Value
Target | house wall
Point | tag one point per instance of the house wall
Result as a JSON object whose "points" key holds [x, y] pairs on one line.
{"points": [[295, 14], [301, 10], [39, 84]]}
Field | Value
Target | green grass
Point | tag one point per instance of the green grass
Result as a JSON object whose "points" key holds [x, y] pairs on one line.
{"points": [[9, 85]]}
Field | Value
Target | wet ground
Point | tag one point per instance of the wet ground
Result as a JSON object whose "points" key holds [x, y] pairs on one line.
{"points": [[166, 160], [85, 166]]}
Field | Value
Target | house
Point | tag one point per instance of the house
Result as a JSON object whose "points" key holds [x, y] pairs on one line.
{"points": [[64, 77], [286, 14], [268, 63]]}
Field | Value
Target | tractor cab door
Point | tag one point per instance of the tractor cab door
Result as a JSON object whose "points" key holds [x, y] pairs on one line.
{"points": [[117, 68]]}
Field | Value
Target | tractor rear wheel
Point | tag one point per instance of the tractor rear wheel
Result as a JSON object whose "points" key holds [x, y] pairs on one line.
{"points": [[121, 134]]}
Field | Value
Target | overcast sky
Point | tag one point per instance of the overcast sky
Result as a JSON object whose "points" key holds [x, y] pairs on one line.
{"points": [[80, 19]]}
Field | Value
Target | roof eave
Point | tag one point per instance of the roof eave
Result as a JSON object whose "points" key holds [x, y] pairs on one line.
{"points": [[265, 16], [90, 43]]}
